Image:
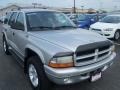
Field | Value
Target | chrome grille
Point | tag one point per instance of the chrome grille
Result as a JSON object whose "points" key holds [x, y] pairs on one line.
{"points": [[92, 55]]}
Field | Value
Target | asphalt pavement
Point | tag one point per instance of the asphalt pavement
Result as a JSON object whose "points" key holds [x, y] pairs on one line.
{"points": [[12, 76]]}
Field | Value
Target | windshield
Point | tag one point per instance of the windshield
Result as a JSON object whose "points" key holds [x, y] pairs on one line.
{"points": [[46, 20], [111, 19]]}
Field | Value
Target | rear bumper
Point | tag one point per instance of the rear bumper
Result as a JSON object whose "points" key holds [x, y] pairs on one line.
{"points": [[76, 74]]}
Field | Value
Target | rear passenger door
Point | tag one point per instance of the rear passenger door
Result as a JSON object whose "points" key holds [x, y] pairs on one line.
{"points": [[20, 35], [8, 27]]}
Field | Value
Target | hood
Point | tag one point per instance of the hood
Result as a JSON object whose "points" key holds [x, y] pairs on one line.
{"points": [[69, 39], [101, 25]]}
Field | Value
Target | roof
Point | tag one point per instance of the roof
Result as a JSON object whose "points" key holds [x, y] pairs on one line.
{"points": [[33, 10]]}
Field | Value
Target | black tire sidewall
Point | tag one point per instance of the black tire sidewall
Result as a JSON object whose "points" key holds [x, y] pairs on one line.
{"points": [[44, 83], [115, 35]]}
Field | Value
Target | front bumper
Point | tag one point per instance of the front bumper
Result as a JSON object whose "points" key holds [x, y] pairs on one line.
{"points": [[107, 34], [75, 74]]}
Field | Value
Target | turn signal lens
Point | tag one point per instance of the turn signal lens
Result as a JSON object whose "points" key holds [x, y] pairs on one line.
{"points": [[58, 65], [62, 62]]}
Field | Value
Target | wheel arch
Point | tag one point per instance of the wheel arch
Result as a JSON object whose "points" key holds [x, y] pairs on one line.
{"points": [[32, 51]]}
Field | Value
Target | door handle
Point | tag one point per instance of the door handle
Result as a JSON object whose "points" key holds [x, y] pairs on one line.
{"points": [[13, 33]]}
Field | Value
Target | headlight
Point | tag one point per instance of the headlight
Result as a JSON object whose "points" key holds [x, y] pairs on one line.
{"points": [[109, 29], [62, 62]]}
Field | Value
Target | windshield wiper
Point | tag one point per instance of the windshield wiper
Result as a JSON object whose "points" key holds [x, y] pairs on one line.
{"points": [[59, 27], [42, 27]]}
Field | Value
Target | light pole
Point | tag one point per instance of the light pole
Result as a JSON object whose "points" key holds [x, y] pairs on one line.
{"points": [[82, 8], [34, 4], [74, 7]]}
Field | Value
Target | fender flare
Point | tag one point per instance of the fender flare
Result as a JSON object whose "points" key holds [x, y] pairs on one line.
{"points": [[37, 51]]}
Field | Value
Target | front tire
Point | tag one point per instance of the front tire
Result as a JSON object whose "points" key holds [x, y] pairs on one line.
{"points": [[36, 74], [117, 35], [5, 46]]}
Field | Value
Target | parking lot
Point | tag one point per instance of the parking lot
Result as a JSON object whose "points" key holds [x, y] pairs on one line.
{"points": [[12, 76]]}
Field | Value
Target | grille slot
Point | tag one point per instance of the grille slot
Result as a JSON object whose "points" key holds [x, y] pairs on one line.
{"points": [[85, 59], [104, 48], [103, 54], [86, 52]]}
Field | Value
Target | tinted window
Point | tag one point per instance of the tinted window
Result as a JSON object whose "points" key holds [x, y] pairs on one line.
{"points": [[12, 19], [111, 19], [7, 18], [19, 22]]}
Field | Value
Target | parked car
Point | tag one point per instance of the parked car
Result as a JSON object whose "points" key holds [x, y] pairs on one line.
{"points": [[100, 16], [53, 49], [85, 20], [109, 26]]}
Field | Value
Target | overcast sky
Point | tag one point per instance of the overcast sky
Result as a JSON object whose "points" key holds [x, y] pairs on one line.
{"points": [[96, 4]]}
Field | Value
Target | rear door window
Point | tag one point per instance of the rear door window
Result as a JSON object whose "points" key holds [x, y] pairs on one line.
{"points": [[7, 18], [19, 24], [12, 19]]}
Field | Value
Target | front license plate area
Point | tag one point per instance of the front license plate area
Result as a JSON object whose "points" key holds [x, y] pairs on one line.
{"points": [[96, 75]]}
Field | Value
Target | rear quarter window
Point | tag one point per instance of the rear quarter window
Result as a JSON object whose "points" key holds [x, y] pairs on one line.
{"points": [[12, 18], [7, 17]]}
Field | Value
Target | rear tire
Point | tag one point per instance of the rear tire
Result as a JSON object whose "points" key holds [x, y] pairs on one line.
{"points": [[5, 46], [39, 80], [117, 35]]}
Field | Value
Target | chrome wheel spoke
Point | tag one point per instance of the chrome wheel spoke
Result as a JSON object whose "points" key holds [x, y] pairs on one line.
{"points": [[33, 75], [117, 35], [4, 45]]}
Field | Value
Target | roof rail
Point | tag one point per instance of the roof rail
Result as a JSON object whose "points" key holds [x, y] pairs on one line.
{"points": [[20, 8]]}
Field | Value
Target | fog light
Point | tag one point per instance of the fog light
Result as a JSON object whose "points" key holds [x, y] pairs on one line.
{"points": [[67, 80]]}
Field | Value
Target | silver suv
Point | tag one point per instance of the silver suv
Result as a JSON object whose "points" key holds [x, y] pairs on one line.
{"points": [[53, 49]]}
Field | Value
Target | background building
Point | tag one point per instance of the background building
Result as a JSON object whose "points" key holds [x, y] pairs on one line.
{"points": [[10, 7]]}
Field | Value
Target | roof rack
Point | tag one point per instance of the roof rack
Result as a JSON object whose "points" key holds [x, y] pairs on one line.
{"points": [[19, 8]]}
